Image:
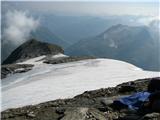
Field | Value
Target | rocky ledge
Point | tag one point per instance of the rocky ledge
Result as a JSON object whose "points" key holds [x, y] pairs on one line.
{"points": [[14, 68], [50, 60], [91, 105]]}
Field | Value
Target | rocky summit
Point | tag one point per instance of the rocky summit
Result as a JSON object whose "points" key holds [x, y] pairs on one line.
{"points": [[31, 49], [91, 105]]}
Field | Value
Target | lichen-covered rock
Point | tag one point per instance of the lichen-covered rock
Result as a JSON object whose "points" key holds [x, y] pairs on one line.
{"points": [[83, 114]]}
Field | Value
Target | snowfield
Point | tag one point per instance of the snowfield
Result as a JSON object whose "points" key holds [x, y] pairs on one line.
{"points": [[47, 82]]}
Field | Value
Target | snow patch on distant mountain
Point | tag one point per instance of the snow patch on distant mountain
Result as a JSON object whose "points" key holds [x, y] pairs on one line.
{"points": [[112, 43], [47, 82]]}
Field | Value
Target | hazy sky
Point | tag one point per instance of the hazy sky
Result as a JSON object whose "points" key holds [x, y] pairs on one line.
{"points": [[93, 7], [93, 0]]}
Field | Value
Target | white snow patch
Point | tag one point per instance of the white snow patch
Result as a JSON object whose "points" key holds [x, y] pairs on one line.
{"points": [[34, 61], [60, 55], [19, 69], [40, 59], [47, 82], [112, 44]]}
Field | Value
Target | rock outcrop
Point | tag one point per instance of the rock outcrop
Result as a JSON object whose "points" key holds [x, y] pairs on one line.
{"points": [[65, 59], [14, 68]]}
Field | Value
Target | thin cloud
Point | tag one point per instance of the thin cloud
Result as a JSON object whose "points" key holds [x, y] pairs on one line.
{"points": [[19, 25]]}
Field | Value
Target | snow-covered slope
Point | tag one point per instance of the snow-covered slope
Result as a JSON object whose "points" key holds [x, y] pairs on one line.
{"points": [[49, 82]]}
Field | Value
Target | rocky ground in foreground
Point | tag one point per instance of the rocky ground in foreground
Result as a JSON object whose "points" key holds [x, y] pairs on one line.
{"points": [[91, 105]]}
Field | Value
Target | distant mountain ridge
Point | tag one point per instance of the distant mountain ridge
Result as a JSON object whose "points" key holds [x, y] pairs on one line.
{"points": [[131, 44], [32, 48]]}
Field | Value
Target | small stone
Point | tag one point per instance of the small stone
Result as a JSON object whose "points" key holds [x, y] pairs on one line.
{"points": [[60, 110], [87, 117], [103, 109], [106, 101], [31, 114], [127, 88]]}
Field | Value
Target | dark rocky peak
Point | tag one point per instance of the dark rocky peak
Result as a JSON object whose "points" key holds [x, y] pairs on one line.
{"points": [[31, 49]]}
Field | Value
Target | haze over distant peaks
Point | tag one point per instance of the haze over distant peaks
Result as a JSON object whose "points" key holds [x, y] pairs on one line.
{"points": [[132, 44]]}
